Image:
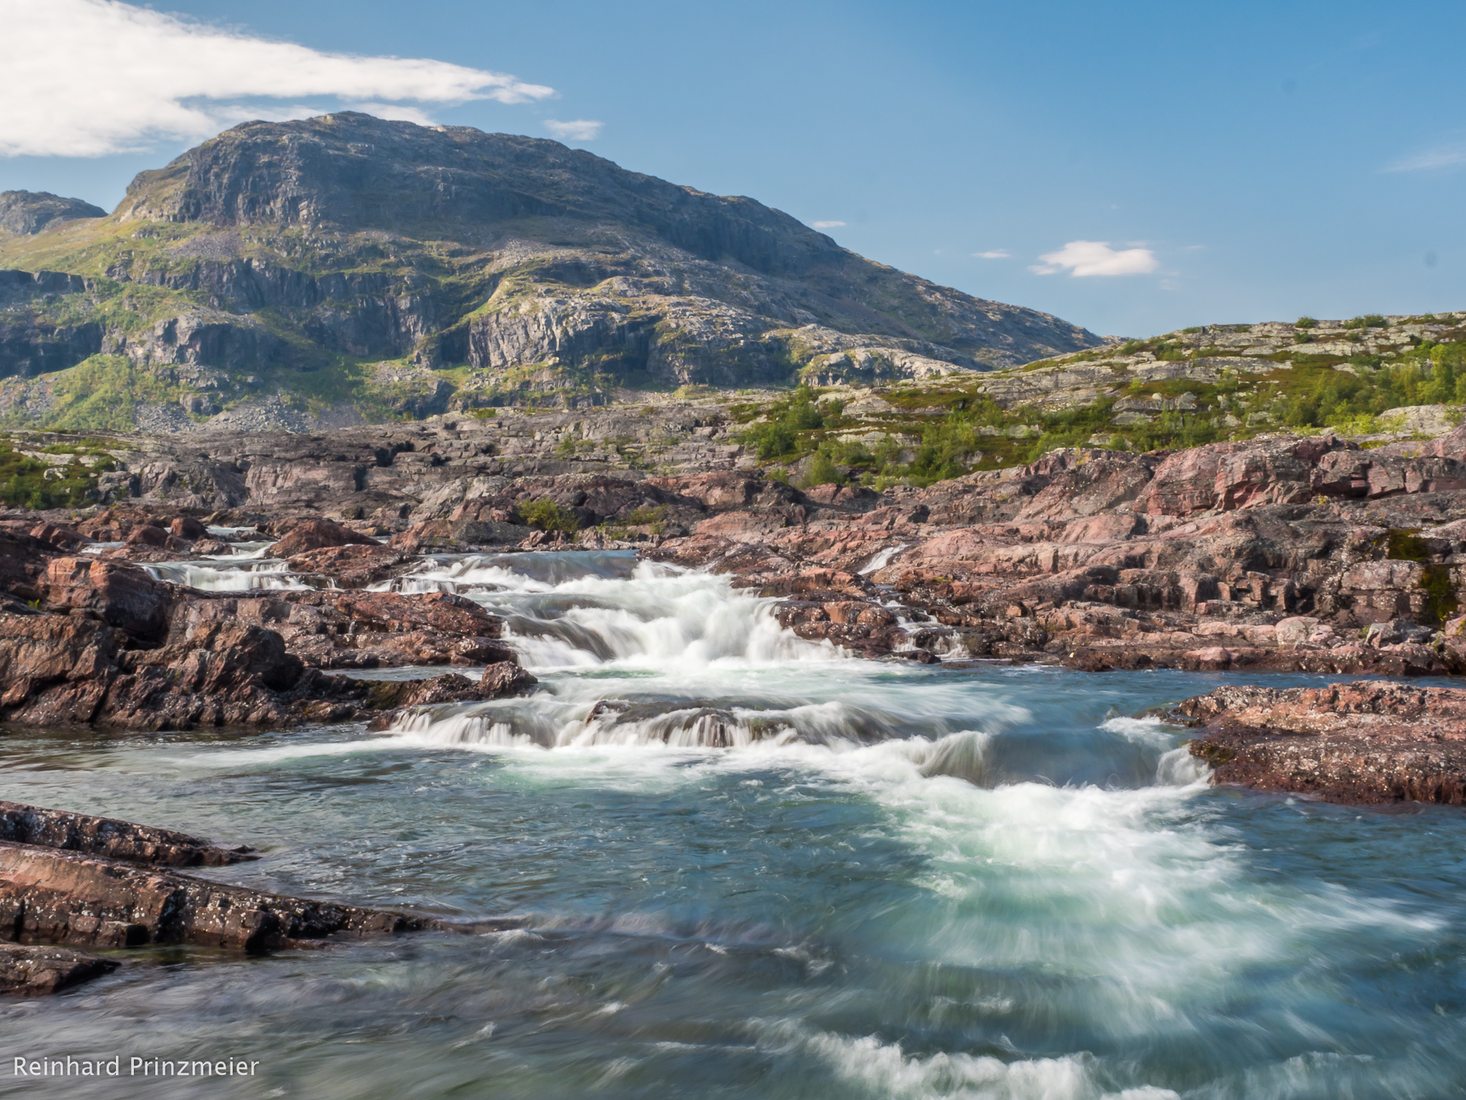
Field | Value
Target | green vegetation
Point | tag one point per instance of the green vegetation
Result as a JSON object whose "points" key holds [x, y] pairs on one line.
{"points": [[1305, 322], [1441, 600], [951, 427], [544, 514], [1436, 583], [788, 420], [27, 482], [1368, 320], [105, 391]]}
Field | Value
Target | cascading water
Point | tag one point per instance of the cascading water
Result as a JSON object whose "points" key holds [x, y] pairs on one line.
{"points": [[244, 574], [753, 866]]}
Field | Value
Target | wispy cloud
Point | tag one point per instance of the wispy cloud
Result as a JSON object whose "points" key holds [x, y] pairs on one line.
{"points": [[829, 223], [1085, 259], [994, 254], [575, 129], [100, 76], [1438, 158]]}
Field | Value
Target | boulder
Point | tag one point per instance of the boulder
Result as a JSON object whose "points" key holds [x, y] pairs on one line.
{"points": [[315, 534], [187, 527], [122, 594]]}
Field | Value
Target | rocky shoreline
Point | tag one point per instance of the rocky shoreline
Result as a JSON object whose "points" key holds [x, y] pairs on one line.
{"points": [[1310, 553]]}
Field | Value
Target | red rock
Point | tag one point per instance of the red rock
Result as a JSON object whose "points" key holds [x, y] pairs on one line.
{"points": [[314, 534], [147, 534], [353, 566], [187, 527], [1365, 742], [124, 595]]}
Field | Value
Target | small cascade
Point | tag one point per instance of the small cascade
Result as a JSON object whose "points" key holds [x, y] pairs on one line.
{"points": [[881, 559], [550, 722], [241, 574], [580, 610]]}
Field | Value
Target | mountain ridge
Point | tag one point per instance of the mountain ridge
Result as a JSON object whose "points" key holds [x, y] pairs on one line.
{"points": [[367, 268]]}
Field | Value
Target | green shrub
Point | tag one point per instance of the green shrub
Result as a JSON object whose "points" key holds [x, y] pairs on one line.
{"points": [[1368, 320], [789, 418], [546, 515], [822, 470], [1305, 322]]}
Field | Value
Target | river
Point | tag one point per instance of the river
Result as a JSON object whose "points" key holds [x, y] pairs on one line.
{"points": [[747, 865]]}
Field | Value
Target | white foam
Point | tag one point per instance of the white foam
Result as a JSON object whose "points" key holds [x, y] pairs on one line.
{"points": [[885, 1069], [218, 575], [881, 559], [1144, 731], [659, 616]]}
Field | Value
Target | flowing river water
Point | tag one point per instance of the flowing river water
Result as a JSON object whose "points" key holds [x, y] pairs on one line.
{"points": [[751, 866]]}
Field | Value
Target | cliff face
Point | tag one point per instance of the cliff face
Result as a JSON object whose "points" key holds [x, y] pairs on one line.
{"points": [[355, 264]]}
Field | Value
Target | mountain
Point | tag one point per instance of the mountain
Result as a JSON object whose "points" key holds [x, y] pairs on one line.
{"points": [[25, 212], [348, 267]]}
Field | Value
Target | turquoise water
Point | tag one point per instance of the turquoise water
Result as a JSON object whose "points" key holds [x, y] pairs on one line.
{"points": [[761, 869]]}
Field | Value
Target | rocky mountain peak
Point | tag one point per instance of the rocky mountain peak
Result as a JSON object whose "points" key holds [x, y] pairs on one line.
{"points": [[355, 172]]}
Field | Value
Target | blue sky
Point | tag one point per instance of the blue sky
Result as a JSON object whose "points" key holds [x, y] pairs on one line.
{"points": [[1131, 167]]}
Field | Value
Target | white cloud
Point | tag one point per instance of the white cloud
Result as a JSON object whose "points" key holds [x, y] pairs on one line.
{"points": [[575, 129], [831, 223], [994, 254], [1082, 259], [91, 77], [1435, 159]]}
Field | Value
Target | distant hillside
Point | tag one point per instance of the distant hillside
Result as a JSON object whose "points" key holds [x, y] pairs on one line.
{"points": [[346, 267], [1367, 377]]}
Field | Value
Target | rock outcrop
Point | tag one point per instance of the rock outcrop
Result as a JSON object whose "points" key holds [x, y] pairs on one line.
{"points": [[1235, 555], [317, 534], [97, 641], [28, 212], [62, 897], [111, 838], [1363, 742], [81, 881], [1282, 552]]}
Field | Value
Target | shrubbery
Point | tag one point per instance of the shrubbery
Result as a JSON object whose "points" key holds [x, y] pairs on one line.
{"points": [[953, 428], [546, 515], [779, 434], [25, 483]]}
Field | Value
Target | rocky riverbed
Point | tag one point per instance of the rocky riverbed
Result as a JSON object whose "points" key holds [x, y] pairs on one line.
{"points": [[294, 590]]}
